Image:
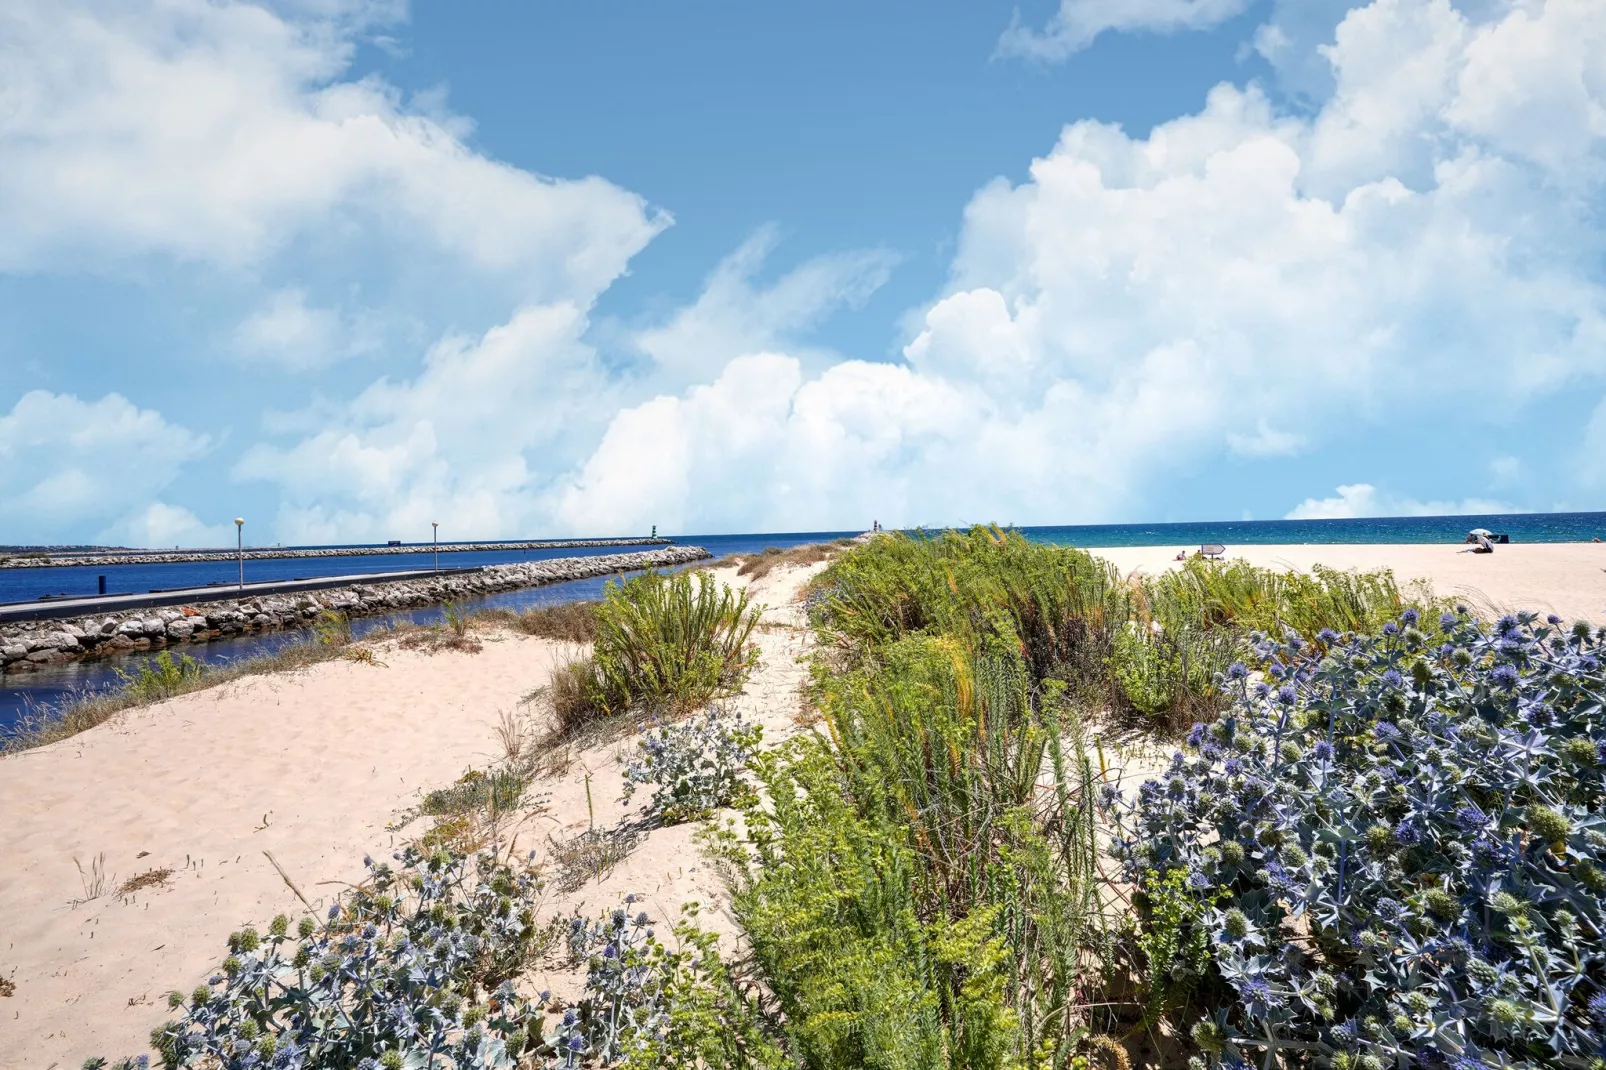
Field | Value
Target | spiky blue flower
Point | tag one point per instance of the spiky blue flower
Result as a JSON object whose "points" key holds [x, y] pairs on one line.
{"points": [[1327, 636], [1393, 679], [1410, 617], [1322, 751], [1391, 629], [1505, 677], [1237, 671], [1470, 819], [1507, 625]]}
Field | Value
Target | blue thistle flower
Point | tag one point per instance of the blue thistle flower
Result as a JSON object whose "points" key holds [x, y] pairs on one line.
{"points": [[577, 1043], [1237, 671], [1507, 626], [1407, 834], [1552, 620], [1391, 629], [1322, 751], [1386, 731], [1196, 735], [1597, 1008], [1470, 819], [1262, 690], [1504, 677], [1447, 621], [1327, 636], [1393, 679], [1410, 617], [1285, 695], [334, 911]]}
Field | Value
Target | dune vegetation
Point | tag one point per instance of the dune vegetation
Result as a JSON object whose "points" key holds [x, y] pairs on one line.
{"points": [[1379, 842]]}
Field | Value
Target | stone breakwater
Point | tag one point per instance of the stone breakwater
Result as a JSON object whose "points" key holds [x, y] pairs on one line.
{"points": [[176, 557], [36, 643]]}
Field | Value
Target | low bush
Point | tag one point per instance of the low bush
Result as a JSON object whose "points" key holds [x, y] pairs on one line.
{"points": [[414, 969], [667, 644], [646, 1007], [161, 677], [1390, 851], [568, 622], [1058, 607], [332, 628], [919, 891], [695, 767]]}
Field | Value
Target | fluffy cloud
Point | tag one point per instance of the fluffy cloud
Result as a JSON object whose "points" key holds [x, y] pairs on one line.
{"points": [[67, 463], [1411, 253], [1077, 22], [1364, 500], [465, 442], [220, 132], [162, 525], [734, 316]]}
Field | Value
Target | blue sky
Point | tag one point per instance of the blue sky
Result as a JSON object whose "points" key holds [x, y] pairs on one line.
{"points": [[347, 266]]}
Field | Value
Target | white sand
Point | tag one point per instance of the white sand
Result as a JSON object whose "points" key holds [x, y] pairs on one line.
{"points": [[314, 765]]}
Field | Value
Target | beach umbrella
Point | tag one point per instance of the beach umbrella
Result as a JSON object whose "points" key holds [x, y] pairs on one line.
{"points": [[1485, 532]]}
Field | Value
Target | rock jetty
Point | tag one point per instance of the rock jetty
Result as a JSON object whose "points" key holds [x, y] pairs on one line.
{"points": [[32, 644], [156, 557]]}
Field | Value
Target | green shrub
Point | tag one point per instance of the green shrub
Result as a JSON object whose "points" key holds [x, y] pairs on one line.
{"points": [[669, 643], [920, 888], [161, 677], [1170, 676], [332, 628], [1055, 606]]}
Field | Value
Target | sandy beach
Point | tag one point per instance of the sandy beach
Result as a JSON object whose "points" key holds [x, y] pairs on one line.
{"points": [[1567, 578], [315, 767]]}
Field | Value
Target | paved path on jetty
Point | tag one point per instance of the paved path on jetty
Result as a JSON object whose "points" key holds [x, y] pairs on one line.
{"points": [[97, 605]]}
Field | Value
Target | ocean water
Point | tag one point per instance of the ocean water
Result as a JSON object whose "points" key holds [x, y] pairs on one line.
{"points": [[25, 693], [1522, 527]]}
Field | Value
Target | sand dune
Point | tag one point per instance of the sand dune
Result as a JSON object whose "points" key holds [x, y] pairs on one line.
{"points": [[313, 766]]}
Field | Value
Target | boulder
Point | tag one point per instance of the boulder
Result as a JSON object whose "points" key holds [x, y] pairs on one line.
{"points": [[153, 626], [131, 628], [179, 629]]}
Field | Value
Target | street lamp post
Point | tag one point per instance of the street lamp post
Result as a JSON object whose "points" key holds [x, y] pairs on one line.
{"points": [[435, 541], [239, 547]]}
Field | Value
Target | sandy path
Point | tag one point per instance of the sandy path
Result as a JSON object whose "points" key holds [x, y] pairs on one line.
{"points": [[1565, 578], [311, 766]]}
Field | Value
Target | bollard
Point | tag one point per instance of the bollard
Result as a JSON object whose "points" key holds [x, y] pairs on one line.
{"points": [[102, 584]]}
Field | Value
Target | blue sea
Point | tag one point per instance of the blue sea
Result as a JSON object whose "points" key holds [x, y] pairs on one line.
{"points": [[21, 693]]}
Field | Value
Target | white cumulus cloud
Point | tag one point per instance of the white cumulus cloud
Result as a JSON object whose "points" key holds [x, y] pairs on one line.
{"points": [[1239, 281], [68, 463], [1077, 22], [1364, 500], [219, 132]]}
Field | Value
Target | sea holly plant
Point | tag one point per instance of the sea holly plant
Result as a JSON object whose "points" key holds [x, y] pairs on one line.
{"points": [[696, 766], [415, 969], [1395, 849]]}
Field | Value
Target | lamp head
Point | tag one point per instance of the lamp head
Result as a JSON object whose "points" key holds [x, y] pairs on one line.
{"points": [[239, 521]]}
